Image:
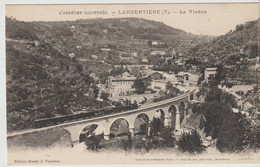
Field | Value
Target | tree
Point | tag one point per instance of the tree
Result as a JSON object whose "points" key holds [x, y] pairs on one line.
{"points": [[214, 113], [139, 86], [127, 144], [231, 134], [196, 108], [173, 92], [149, 42], [92, 143], [117, 71], [239, 27], [253, 49], [156, 126], [191, 142], [136, 72], [221, 74], [214, 94], [166, 134], [104, 95], [168, 86], [222, 123], [228, 99]]}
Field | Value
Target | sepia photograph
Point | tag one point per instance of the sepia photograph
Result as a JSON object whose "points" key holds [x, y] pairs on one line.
{"points": [[106, 84]]}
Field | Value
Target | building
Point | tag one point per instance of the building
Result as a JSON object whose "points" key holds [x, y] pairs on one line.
{"points": [[71, 55], [154, 75], [158, 52], [182, 77], [125, 56], [135, 54], [155, 43], [121, 85], [129, 66], [209, 73], [94, 57], [105, 49], [144, 60], [235, 81]]}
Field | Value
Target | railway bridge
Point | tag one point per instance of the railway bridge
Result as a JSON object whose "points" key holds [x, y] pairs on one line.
{"points": [[171, 112]]}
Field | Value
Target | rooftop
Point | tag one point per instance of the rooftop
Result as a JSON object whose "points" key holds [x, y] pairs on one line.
{"points": [[211, 69]]}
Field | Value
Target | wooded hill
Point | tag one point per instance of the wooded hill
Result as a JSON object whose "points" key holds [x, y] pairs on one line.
{"points": [[124, 34], [227, 49], [44, 76]]}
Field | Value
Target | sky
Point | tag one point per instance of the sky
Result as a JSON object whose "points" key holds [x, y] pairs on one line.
{"points": [[214, 19]]}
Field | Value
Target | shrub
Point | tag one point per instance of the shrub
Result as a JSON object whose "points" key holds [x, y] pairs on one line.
{"points": [[127, 144], [156, 126], [92, 143], [158, 143], [231, 134], [167, 136], [214, 113], [104, 95], [196, 109], [147, 145], [191, 142]]}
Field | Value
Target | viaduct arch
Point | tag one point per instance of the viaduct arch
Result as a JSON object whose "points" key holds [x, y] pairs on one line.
{"points": [[174, 109]]}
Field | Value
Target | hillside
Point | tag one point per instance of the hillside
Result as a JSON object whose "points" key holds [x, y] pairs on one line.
{"points": [[86, 37], [45, 74], [229, 48], [41, 81]]}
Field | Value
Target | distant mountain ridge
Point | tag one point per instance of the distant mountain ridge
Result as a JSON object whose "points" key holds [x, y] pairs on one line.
{"points": [[94, 33]]}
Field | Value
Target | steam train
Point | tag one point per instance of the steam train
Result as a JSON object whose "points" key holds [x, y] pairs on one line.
{"points": [[44, 122]]}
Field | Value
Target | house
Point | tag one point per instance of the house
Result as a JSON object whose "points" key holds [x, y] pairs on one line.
{"points": [[229, 67], [187, 78], [48, 57], [121, 85], [105, 49], [129, 66], [135, 54], [158, 52], [193, 67], [155, 43], [235, 81], [105, 31], [71, 55], [94, 57], [36, 43], [144, 60], [181, 63], [156, 76], [159, 44], [209, 73], [125, 56]]}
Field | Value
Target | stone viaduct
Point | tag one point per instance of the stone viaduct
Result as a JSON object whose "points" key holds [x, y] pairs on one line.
{"points": [[172, 111]]}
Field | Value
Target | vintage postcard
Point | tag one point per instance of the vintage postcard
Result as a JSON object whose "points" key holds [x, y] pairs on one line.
{"points": [[103, 84]]}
